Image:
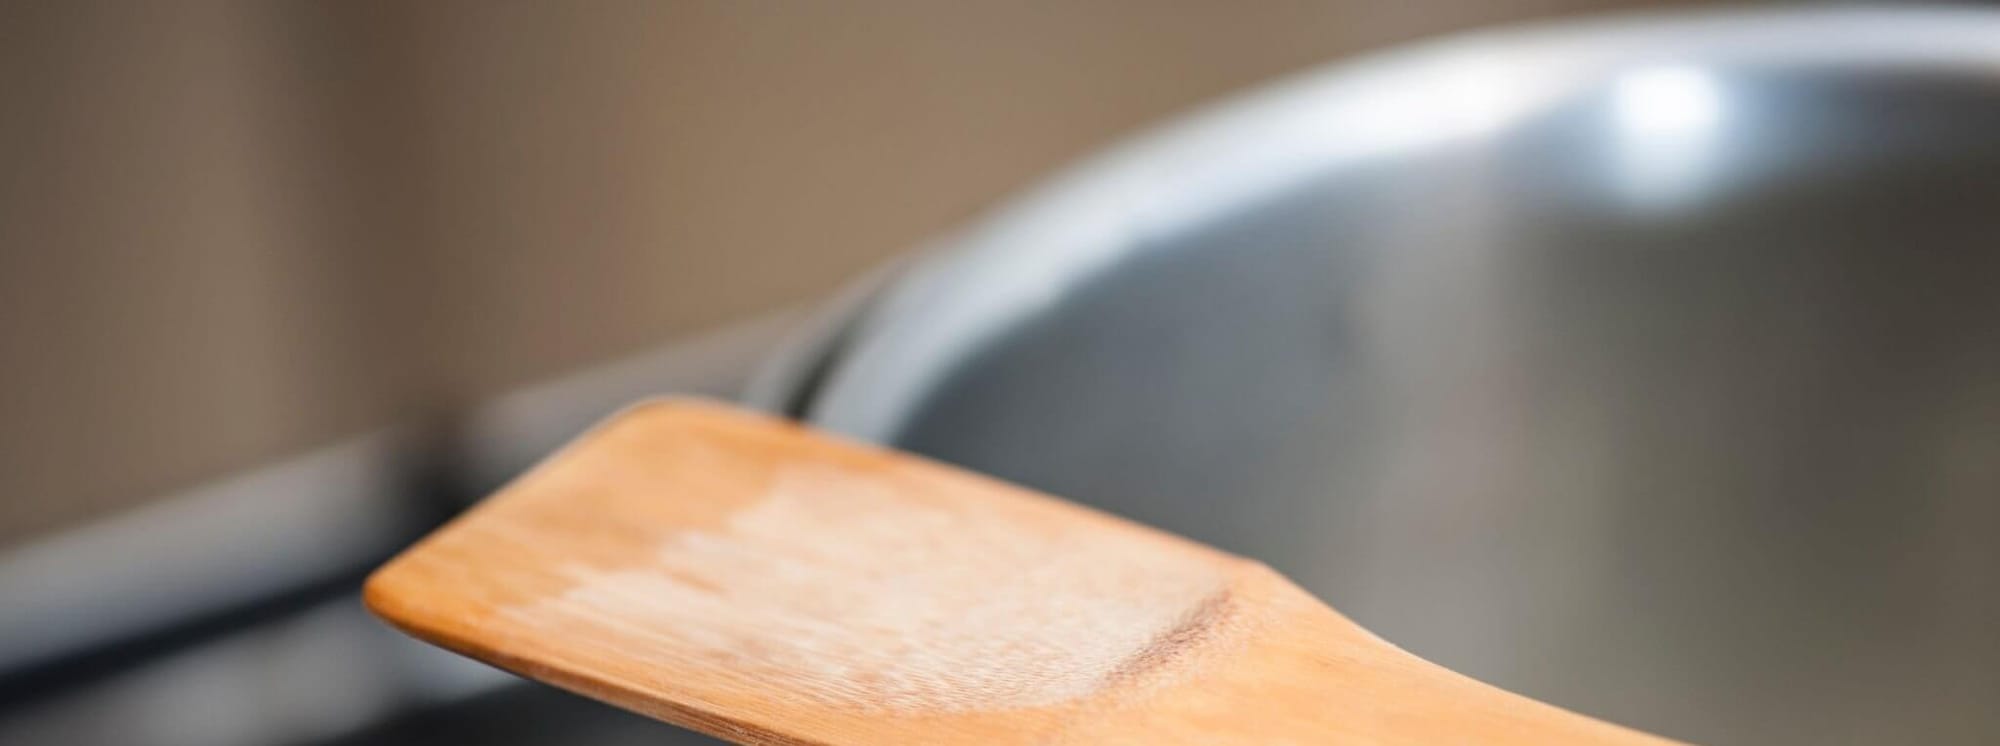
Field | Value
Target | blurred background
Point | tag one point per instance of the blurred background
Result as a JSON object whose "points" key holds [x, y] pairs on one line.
{"points": [[282, 284], [235, 231]]}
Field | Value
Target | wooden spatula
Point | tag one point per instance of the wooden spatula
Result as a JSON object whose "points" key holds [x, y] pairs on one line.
{"points": [[751, 579]]}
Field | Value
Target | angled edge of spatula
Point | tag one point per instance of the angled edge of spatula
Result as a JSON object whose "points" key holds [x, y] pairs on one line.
{"points": [[755, 580]]}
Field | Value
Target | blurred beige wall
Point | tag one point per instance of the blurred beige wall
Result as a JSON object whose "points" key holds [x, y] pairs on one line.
{"points": [[232, 231]]}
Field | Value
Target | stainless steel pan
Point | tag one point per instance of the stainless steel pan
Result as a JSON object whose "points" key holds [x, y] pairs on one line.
{"points": [[1649, 367]]}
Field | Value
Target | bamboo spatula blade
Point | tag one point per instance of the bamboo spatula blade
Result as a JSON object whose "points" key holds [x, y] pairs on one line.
{"points": [[751, 579]]}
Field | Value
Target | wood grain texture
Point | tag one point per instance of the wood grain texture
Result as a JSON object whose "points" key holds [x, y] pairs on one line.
{"points": [[751, 579]]}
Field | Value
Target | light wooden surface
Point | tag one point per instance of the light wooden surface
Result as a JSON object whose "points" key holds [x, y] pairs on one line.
{"points": [[754, 580]]}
